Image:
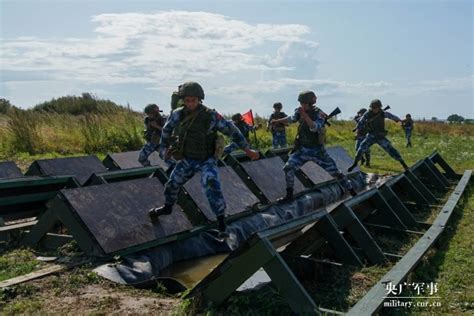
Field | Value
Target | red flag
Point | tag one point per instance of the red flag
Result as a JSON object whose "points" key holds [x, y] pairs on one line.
{"points": [[248, 117]]}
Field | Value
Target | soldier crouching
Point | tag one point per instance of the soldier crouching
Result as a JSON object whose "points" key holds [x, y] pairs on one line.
{"points": [[309, 144], [194, 129]]}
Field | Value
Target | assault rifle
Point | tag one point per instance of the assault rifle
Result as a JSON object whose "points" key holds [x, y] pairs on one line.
{"points": [[383, 110], [335, 112]]}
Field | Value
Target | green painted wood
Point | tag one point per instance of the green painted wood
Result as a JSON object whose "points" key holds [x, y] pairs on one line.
{"points": [[362, 237], [27, 198], [398, 207], [44, 224], [387, 213], [374, 299], [37, 181], [289, 287], [233, 272], [428, 196], [437, 159], [438, 173]]}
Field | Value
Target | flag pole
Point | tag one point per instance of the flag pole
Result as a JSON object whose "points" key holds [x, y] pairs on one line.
{"points": [[254, 131]]}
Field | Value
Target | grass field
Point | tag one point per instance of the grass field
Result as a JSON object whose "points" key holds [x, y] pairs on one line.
{"points": [[81, 291]]}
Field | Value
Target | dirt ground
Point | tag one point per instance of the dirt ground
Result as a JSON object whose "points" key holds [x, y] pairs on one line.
{"points": [[82, 292]]}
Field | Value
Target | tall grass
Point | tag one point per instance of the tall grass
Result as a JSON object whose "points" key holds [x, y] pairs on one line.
{"points": [[23, 127]]}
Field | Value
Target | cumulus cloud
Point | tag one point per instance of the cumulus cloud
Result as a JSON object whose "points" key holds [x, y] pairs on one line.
{"points": [[163, 47]]}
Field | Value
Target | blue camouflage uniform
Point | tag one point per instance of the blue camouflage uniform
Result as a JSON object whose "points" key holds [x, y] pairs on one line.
{"points": [[378, 137], [278, 131], [152, 137], [245, 130], [360, 136], [408, 127], [187, 167], [317, 154]]}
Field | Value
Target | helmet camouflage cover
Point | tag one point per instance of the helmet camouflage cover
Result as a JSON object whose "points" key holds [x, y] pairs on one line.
{"points": [[375, 103], [362, 111], [150, 107], [236, 117], [191, 89], [277, 105], [306, 97]]}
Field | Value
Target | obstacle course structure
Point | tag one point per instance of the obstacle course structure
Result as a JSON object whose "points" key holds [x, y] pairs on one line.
{"points": [[108, 217]]}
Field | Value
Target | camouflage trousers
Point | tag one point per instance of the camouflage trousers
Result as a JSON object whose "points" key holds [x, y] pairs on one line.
{"points": [[279, 139], [359, 140], [147, 150], [184, 171], [230, 148], [320, 157], [383, 142], [408, 135]]}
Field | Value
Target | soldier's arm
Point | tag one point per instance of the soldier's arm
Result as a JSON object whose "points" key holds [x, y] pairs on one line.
{"points": [[362, 121], [392, 117], [314, 125], [167, 130], [228, 128]]}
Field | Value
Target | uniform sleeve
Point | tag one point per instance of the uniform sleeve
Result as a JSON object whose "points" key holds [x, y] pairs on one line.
{"points": [[294, 118], [362, 121], [392, 117], [170, 124], [218, 123], [319, 122]]}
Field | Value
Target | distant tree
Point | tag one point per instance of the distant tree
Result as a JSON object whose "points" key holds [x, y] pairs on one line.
{"points": [[4, 105], [454, 118], [76, 105], [434, 119]]}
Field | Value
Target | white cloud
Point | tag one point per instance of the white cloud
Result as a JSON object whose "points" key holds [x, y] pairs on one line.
{"points": [[164, 48]]}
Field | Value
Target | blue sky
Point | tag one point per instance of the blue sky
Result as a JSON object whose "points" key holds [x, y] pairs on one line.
{"points": [[416, 56]]}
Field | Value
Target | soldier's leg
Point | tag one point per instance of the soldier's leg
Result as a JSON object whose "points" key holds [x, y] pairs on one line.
{"points": [[364, 146], [389, 149], [145, 152], [183, 171], [408, 137], [282, 139], [322, 158], [359, 140], [230, 148], [296, 160], [275, 140]]}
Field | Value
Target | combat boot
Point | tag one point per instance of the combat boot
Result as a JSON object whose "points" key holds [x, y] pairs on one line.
{"points": [[352, 192], [156, 212], [288, 197], [362, 161], [357, 158], [221, 226], [404, 165]]}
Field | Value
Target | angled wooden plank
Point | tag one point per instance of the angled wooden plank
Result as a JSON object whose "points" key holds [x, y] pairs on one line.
{"points": [[374, 299]]}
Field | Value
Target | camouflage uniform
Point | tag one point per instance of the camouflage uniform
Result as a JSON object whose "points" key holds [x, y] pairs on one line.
{"points": [[188, 166], [315, 151], [408, 127], [278, 131], [152, 137], [360, 136], [377, 136], [244, 129]]}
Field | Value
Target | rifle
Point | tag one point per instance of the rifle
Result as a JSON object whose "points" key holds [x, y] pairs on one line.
{"points": [[335, 112], [383, 110]]}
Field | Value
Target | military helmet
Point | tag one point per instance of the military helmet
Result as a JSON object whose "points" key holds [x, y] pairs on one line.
{"points": [[375, 103], [236, 117], [362, 111], [191, 89], [150, 108], [306, 97], [277, 105]]}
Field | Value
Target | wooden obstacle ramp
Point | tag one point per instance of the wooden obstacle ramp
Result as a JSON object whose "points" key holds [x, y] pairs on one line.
{"points": [[79, 167], [129, 160], [112, 217], [8, 170]]}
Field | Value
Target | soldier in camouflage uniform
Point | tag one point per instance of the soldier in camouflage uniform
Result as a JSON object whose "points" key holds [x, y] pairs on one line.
{"points": [[278, 130], [154, 123], [244, 128], [309, 144], [360, 136], [190, 135], [407, 125], [176, 101], [374, 121]]}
